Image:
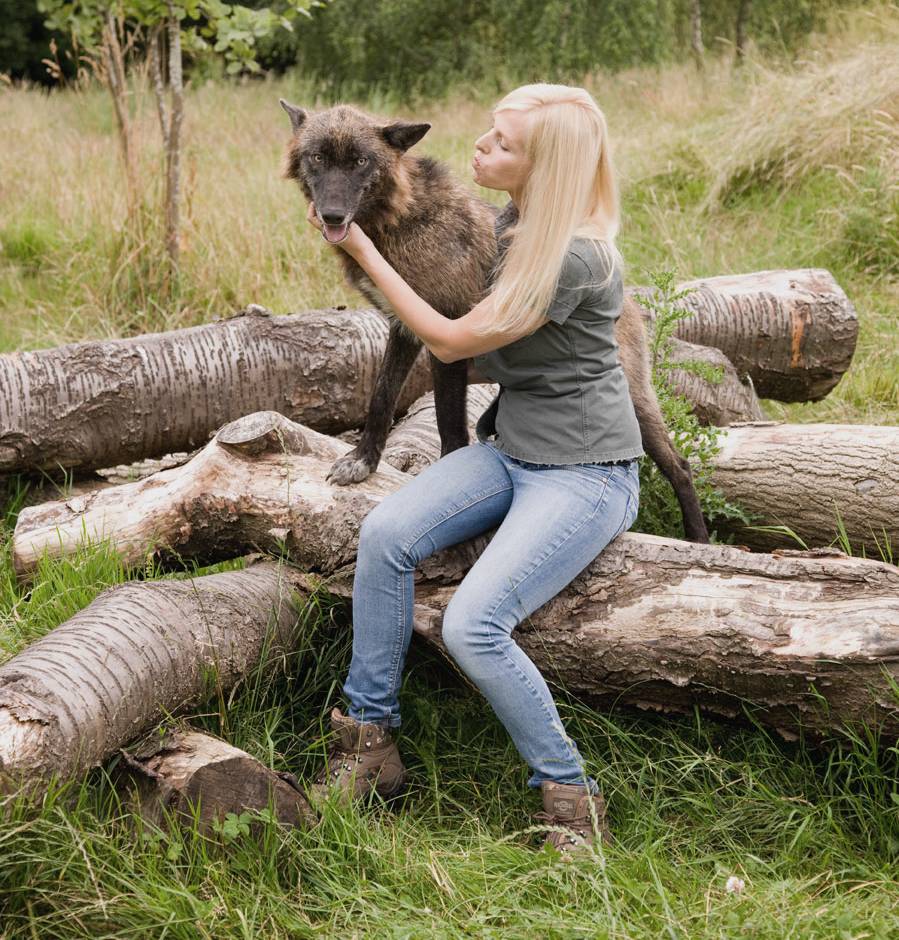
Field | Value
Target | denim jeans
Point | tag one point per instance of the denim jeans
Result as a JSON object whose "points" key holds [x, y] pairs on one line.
{"points": [[553, 521]]}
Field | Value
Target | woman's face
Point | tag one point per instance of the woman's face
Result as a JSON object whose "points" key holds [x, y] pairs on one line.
{"points": [[499, 159]]}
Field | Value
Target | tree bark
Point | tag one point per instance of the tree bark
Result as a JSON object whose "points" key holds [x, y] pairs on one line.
{"points": [[201, 778], [810, 476], [714, 403], [792, 332], [259, 486], [806, 640], [97, 404], [138, 652]]}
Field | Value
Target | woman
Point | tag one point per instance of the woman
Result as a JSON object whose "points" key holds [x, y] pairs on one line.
{"points": [[555, 463]]}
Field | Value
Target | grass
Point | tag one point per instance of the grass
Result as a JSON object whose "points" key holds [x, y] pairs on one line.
{"points": [[813, 831]]}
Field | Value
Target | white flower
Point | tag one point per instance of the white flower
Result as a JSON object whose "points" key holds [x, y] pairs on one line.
{"points": [[734, 885]]}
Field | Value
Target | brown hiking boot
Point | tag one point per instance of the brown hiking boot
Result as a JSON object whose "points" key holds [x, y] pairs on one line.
{"points": [[363, 758], [567, 806]]}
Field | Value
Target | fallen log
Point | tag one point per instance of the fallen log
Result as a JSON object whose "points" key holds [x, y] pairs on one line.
{"points": [[807, 641], [719, 403], [96, 404], [200, 779], [809, 477], [256, 487], [135, 654], [794, 332], [812, 477]]}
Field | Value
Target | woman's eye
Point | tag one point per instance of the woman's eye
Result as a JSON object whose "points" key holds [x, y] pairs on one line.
{"points": [[362, 161]]}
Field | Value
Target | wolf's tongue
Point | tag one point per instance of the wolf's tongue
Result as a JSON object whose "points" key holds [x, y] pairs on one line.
{"points": [[335, 233]]}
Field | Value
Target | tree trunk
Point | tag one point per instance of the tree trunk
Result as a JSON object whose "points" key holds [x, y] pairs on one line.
{"points": [[96, 404], [740, 31], [259, 486], [793, 332], [696, 33], [173, 146], [202, 778], [136, 653], [810, 476], [116, 81], [810, 640]]}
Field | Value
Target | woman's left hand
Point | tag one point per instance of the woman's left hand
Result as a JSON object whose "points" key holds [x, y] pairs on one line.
{"points": [[353, 243]]}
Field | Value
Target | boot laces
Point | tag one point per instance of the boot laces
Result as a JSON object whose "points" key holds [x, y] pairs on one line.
{"points": [[577, 825]]}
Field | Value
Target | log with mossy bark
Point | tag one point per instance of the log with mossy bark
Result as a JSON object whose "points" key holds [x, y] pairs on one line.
{"points": [[96, 404], [806, 641]]}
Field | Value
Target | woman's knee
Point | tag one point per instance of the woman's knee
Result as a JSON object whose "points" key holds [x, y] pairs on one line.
{"points": [[465, 629], [385, 531]]}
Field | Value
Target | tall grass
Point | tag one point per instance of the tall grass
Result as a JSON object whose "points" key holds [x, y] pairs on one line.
{"points": [[812, 830]]}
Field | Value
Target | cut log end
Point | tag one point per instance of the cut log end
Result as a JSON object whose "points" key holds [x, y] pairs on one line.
{"points": [[263, 432], [202, 778]]}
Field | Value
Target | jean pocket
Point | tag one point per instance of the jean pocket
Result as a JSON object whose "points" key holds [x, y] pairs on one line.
{"points": [[630, 515]]}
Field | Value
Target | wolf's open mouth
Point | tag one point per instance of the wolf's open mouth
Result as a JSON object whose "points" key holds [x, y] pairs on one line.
{"points": [[335, 233]]}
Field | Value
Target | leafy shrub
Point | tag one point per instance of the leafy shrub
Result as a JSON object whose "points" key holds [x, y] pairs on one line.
{"points": [[660, 512]]}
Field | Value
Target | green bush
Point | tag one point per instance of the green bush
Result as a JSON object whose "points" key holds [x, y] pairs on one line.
{"points": [[660, 512]]}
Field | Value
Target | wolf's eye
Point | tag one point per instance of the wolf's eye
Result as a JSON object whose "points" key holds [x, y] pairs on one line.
{"points": [[317, 157], [362, 161]]}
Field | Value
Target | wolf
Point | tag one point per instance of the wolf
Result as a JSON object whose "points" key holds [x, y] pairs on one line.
{"points": [[445, 243]]}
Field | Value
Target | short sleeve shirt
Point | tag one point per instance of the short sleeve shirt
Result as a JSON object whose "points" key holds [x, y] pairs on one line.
{"points": [[564, 397]]}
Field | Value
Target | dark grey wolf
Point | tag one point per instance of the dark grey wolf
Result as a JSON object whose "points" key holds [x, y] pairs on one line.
{"points": [[443, 241]]}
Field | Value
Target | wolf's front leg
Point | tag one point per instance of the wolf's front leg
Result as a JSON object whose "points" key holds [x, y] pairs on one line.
{"points": [[450, 391], [402, 348]]}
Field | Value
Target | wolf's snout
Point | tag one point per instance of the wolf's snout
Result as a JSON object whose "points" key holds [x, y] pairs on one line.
{"points": [[335, 225], [332, 217]]}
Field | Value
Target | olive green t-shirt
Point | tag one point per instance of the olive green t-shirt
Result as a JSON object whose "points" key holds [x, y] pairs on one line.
{"points": [[564, 397]]}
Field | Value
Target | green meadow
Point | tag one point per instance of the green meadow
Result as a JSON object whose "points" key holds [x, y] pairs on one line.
{"points": [[778, 164]]}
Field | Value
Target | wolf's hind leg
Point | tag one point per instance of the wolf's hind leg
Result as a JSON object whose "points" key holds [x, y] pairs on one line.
{"points": [[450, 391], [354, 466]]}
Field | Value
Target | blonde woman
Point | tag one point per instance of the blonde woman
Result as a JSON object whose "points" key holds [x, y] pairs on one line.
{"points": [[554, 467]]}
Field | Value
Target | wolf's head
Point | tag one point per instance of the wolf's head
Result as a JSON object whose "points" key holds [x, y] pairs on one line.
{"points": [[348, 164]]}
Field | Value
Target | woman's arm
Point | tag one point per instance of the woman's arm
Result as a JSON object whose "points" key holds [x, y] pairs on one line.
{"points": [[448, 340]]}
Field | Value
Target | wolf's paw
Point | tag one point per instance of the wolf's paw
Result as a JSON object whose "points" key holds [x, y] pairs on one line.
{"points": [[352, 467]]}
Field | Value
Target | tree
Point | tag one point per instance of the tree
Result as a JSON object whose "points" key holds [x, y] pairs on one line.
{"points": [[115, 34]]}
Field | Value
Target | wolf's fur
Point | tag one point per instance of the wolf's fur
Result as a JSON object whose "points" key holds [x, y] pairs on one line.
{"points": [[443, 242]]}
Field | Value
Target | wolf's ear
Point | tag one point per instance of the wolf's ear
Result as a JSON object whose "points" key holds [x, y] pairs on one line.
{"points": [[297, 115], [403, 136]]}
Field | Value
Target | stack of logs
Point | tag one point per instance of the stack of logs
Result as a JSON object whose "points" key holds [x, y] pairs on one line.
{"points": [[808, 639]]}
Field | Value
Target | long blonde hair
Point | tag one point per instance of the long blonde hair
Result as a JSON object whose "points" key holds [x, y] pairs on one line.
{"points": [[571, 191]]}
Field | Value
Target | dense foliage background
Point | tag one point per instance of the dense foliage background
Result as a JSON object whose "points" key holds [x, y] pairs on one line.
{"points": [[429, 47]]}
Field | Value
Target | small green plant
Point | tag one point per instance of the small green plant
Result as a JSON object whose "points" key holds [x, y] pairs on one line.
{"points": [[233, 826], [660, 513]]}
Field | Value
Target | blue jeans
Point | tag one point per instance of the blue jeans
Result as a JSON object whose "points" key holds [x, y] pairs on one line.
{"points": [[553, 521]]}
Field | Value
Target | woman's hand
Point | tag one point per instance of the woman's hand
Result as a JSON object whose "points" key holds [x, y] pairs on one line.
{"points": [[354, 243]]}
